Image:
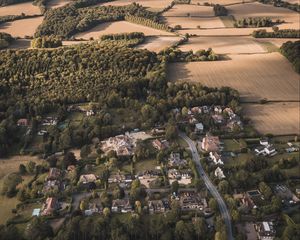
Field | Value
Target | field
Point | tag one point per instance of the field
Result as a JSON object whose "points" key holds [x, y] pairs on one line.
{"points": [[194, 22], [21, 28], [275, 118], [156, 5], [255, 76], [118, 27], [224, 45], [222, 2], [17, 9], [276, 41], [57, 3], [157, 44], [263, 10], [182, 10]]}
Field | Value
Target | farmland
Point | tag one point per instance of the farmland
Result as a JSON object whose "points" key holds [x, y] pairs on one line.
{"points": [[17, 9], [118, 27], [255, 76], [275, 118], [158, 43]]}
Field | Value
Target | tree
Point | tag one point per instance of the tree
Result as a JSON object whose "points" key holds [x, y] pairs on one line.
{"points": [[85, 151], [183, 231], [106, 211], [265, 190], [223, 186], [174, 187], [69, 159], [83, 205], [171, 132], [38, 229], [200, 228], [10, 182], [30, 167], [22, 169], [213, 204]]}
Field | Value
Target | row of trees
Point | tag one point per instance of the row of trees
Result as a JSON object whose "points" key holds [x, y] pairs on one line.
{"points": [[285, 4], [46, 42], [282, 33], [220, 10], [79, 16], [256, 22], [291, 50], [5, 40]]}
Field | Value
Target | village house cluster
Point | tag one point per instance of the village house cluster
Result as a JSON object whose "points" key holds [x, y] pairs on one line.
{"points": [[123, 145]]}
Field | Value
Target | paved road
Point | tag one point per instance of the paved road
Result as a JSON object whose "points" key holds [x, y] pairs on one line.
{"points": [[213, 190]]}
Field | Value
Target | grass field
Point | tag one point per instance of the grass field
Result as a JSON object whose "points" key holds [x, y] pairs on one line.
{"points": [[265, 10], [224, 45], [275, 118], [158, 43], [6, 205], [22, 28], [119, 27], [17, 9], [255, 76]]}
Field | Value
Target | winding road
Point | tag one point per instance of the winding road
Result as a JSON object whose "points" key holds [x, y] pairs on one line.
{"points": [[212, 189]]}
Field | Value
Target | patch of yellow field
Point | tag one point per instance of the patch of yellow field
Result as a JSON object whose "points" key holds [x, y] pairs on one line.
{"points": [[118, 27], [157, 44], [224, 45], [255, 76], [57, 3], [183, 10], [17, 9], [275, 118], [265, 10], [194, 22], [22, 28]]}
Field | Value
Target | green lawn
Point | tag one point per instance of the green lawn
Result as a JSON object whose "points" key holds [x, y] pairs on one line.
{"points": [[6, 205], [144, 165], [232, 145]]}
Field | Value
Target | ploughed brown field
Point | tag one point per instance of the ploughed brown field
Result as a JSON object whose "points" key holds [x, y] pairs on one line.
{"points": [[255, 76], [17, 9], [23, 27], [158, 43], [224, 45], [275, 118], [119, 27]]}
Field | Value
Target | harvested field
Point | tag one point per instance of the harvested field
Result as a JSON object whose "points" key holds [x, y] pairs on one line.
{"points": [[224, 45], [68, 43], [182, 10], [119, 27], [264, 10], [157, 44], [255, 76], [275, 118], [152, 4], [17, 9], [57, 3], [222, 2], [22, 28], [276, 41], [194, 22]]}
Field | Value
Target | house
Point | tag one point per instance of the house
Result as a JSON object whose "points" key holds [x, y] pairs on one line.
{"points": [[158, 131], [265, 150], [285, 194], [120, 178], [270, 150], [183, 177], [199, 128], [254, 197], [218, 109], [211, 143], [218, 119], [90, 113], [176, 161], [264, 142], [42, 132], [265, 230], [191, 200], [205, 109], [50, 206], [156, 206], [216, 158], [71, 168], [219, 173], [123, 145], [23, 122], [49, 121], [121, 205], [228, 111], [88, 178], [260, 150], [51, 185], [148, 176], [54, 174], [196, 110], [244, 201], [160, 144], [36, 212], [93, 208]]}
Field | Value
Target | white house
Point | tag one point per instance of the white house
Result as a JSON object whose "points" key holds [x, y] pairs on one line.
{"points": [[199, 128], [219, 173], [216, 158]]}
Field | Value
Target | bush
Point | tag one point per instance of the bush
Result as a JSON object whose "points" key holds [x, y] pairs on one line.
{"points": [[291, 50], [220, 10], [46, 42]]}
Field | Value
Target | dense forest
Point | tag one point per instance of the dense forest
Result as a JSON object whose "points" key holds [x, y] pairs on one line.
{"points": [[79, 17], [5, 40], [282, 33], [46, 42], [291, 50]]}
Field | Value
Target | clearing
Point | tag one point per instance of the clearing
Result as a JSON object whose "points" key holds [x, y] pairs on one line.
{"points": [[275, 118], [240, 11], [157, 43], [224, 45], [57, 3], [255, 76], [23, 27], [118, 27], [17, 9]]}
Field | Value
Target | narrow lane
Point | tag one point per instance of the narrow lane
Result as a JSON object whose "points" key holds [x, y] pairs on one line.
{"points": [[212, 189]]}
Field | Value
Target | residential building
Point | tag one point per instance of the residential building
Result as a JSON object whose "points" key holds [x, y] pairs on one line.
{"points": [[160, 144], [156, 206], [121, 205], [191, 200], [23, 122], [210, 143], [123, 145], [50, 206], [199, 128], [87, 178], [265, 230], [54, 174], [216, 158], [176, 161], [219, 173]]}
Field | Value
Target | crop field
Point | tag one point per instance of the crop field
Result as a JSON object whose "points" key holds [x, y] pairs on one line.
{"points": [[21, 28], [275, 118], [152, 4], [118, 27], [224, 45], [276, 41], [57, 3], [157, 43], [17, 9], [194, 22], [255, 76], [187, 10], [290, 17]]}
